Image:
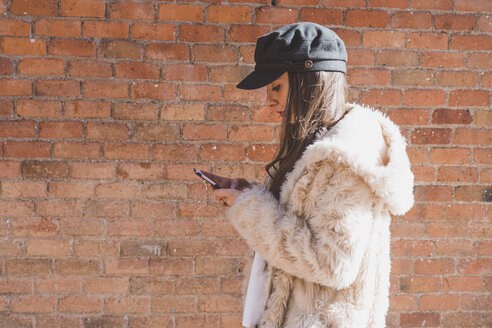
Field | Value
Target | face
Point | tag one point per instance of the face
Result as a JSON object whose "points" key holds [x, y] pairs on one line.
{"points": [[277, 94]]}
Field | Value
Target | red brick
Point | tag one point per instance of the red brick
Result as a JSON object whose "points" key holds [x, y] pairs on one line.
{"points": [[60, 130], [27, 149], [460, 318], [58, 27], [382, 97], [51, 248], [166, 52], [222, 303], [98, 171], [412, 77], [57, 88], [415, 284], [106, 131], [479, 60], [434, 266], [17, 129], [177, 228], [455, 79], [58, 285], [261, 152], [366, 18], [383, 39], [22, 46], [155, 210], [454, 22], [229, 113], [153, 31], [3, 6], [34, 227], [480, 230], [165, 191], [186, 112], [136, 111], [66, 208], [117, 190], [469, 42], [33, 304], [14, 27], [484, 24], [148, 132], [80, 304], [450, 116], [322, 16], [194, 210], [140, 171], [34, 8], [190, 247], [136, 70], [9, 87], [76, 150], [246, 54], [472, 137], [197, 286], [457, 174], [71, 189], [23, 189], [150, 321], [93, 248], [78, 267], [152, 90], [409, 116], [6, 108], [38, 108], [433, 4], [178, 12], [233, 94], [468, 98], [41, 66], [205, 321], [417, 155], [482, 156], [125, 151], [89, 68], [449, 155], [119, 49], [173, 304], [133, 228], [43, 170], [87, 109], [105, 89], [251, 133], [421, 319], [412, 248], [360, 57], [344, 3], [76, 48], [110, 209], [402, 4], [410, 20], [105, 29], [473, 5], [125, 267], [89, 8], [276, 15], [423, 136], [6, 66], [446, 230], [28, 267], [16, 286], [438, 302], [219, 153], [425, 98], [171, 267], [442, 59], [470, 193], [125, 305], [201, 33], [174, 153], [421, 40], [246, 33], [186, 72], [486, 80], [204, 132], [455, 248], [433, 193], [151, 286], [474, 266], [228, 14], [131, 11]]}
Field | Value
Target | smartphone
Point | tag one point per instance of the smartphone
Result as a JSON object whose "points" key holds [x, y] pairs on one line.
{"points": [[204, 177]]}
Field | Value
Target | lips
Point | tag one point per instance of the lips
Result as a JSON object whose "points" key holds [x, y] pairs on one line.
{"points": [[281, 113]]}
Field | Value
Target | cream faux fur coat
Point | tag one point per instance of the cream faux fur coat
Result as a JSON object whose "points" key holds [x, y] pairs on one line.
{"points": [[327, 241]]}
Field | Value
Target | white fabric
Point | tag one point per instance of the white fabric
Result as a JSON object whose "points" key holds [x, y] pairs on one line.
{"points": [[256, 295]]}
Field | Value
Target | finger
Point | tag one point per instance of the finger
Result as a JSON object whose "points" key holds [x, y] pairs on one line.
{"points": [[223, 181]]}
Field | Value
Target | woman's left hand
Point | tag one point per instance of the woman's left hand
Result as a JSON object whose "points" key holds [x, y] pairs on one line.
{"points": [[226, 196]]}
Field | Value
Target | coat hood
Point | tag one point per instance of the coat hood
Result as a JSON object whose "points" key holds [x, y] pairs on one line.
{"points": [[371, 145]]}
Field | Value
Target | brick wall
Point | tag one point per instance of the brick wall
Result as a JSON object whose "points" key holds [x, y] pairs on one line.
{"points": [[106, 106]]}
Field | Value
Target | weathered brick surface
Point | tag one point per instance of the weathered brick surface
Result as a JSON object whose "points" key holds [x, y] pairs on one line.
{"points": [[106, 106]]}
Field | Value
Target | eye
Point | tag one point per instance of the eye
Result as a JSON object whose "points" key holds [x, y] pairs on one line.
{"points": [[276, 88]]}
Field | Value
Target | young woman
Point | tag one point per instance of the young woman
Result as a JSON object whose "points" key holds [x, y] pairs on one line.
{"points": [[320, 223]]}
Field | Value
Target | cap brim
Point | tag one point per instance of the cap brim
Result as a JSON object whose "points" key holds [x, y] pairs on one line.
{"points": [[259, 79]]}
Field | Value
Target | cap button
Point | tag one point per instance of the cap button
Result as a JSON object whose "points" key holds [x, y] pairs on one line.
{"points": [[308, 63]]}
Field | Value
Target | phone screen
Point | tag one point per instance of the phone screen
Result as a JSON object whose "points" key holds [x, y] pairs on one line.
{"points": [[204, 177]]}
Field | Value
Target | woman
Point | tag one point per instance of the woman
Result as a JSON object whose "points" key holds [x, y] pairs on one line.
{"points": [[321, 220]]}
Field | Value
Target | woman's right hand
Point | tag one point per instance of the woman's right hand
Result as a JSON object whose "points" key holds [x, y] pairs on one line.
{"points": [[226, 183]]}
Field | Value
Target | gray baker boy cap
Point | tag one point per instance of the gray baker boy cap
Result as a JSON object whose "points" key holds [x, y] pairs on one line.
{"points": [[299, 47]]}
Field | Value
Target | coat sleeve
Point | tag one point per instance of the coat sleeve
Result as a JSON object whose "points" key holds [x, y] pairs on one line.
{"points": [[328, 246]]}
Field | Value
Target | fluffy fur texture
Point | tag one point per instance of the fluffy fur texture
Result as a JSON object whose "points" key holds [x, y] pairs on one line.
{"points": [[327, 241]]}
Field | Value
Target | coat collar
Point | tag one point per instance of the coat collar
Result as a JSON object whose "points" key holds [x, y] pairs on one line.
{"points": [[371, 145]]}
